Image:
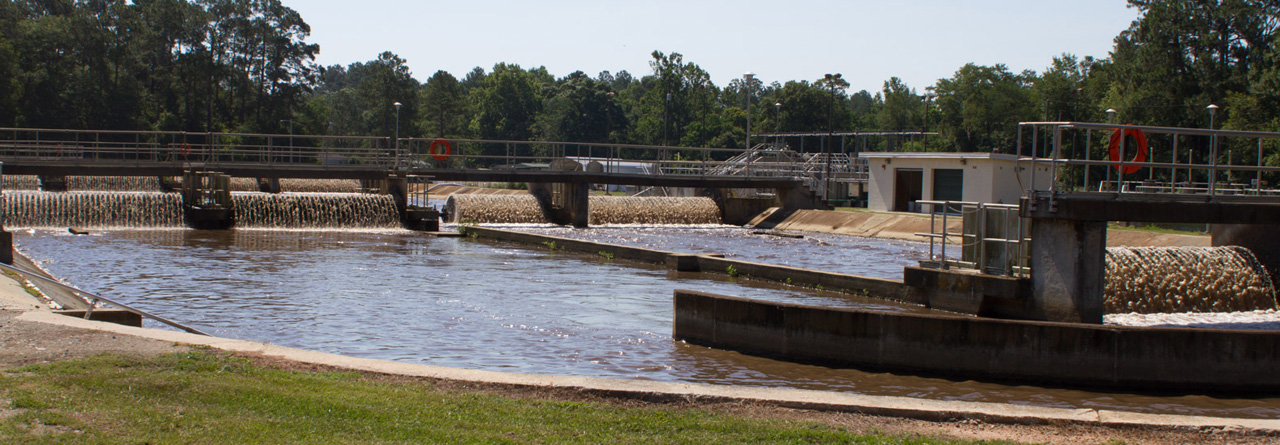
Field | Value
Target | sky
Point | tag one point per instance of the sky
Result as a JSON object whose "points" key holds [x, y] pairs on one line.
{"points": [[919, 41]]}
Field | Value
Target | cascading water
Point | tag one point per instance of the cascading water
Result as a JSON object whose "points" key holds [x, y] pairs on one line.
{"points": [[20, 182], [114, 183], [477, 208], [653, 210], [603, 210], [89, 183], [300, 185], [315, 210], [1185, 279], [33, 209]]}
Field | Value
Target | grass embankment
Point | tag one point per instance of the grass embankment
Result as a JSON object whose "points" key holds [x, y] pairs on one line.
{"points": [[212, 397]]}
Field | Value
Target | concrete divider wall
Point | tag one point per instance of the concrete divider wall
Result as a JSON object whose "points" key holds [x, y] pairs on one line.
{"points": [[852, 284], [1161, 359], [572, 245]]}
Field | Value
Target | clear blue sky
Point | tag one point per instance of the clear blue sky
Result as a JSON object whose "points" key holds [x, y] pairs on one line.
{"points": [[867, 41]]}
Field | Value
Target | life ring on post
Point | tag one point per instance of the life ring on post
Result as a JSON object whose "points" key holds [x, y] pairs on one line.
{"points": [[440, 155], [185, 149], [1138, 157]]}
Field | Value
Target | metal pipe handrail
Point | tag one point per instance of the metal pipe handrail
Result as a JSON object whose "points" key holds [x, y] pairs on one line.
{"points": [[95, 298]]}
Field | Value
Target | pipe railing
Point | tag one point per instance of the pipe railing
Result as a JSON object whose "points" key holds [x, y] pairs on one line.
{"points": [[1170, 167], [93, 299]]}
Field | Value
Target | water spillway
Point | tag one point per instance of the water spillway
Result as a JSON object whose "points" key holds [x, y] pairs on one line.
{"points": [[315, 211], [1185, 279], [89, 183], [487, 209], [32, 209], [524, 208], [300, 185]]}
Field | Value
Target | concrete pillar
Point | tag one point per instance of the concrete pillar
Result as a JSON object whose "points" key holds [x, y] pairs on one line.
{"points": [[578, 200], [564, 203], [1258, 238], [1068, 270], [206, 201], [52, 183], [6, 247], [269, 185]]}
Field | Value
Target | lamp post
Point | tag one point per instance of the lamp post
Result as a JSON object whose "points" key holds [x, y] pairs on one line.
{"points": [[666, 122], [777, 127], [831, 135], [1213, 150], [608, 111], [1111, 117], [747, 78], [397, 144], [924, 138]]}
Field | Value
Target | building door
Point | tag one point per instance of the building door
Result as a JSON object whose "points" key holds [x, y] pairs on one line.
{"points": [[908, 187], [948, 185]]}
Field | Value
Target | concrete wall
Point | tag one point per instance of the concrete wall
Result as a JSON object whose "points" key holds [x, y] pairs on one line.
{"points": [[988, 177], [1163, 359]]}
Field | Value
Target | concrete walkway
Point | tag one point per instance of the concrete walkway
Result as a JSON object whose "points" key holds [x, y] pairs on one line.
{"points": [[14, 299]]}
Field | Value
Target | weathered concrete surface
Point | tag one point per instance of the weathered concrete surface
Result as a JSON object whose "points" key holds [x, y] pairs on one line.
{"points": [[1068, 267], [852, 284], [1160, 359], [791, 398], [968, 292]]}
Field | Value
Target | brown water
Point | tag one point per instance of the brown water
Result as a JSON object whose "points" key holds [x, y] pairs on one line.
{"points": [[472, 304]]}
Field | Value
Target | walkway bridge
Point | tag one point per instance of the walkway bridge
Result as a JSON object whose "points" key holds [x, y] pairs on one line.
{"points": [[52, 153], [1048, 258]]}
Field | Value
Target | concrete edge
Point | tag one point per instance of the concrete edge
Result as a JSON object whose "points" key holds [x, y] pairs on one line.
{"points": [[925, 409]]}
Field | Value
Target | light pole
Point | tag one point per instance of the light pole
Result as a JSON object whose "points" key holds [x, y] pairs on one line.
{"points": [[397, 144], [1213, 150], [831, 79], [608, 111], [747, 78], [666, 122], [1111, 117], [777, 127], [924, 138]]}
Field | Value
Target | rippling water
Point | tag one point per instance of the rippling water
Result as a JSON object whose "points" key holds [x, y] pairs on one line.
{"points": [[868, 257], [480, 305]]}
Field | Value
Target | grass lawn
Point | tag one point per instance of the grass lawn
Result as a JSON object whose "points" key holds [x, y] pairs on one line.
{"points": [[212, 397]]}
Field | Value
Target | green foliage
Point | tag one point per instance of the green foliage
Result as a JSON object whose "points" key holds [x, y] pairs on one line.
{"points": [[731, 270], [606, 254], [551, 245]]}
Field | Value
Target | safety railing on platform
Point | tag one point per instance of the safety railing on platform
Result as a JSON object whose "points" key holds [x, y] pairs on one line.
{"points": [[992, 240], [1111, 158], [93, 300]]}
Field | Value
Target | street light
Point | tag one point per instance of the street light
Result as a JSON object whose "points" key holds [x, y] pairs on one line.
{"points": [[397, 145], [924, 138], [608, 111], [831, 79], [1213, 149], [747, 77], [777, 128]]}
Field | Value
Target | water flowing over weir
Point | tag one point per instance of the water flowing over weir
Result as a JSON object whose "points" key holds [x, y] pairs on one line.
{"points": [[483, 209], [31, 209], [315, 210], [300, 185], [89, 183], [1185, 279]]}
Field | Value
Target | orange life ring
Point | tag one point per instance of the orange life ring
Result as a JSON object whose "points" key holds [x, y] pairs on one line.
{"points": [[440, 156], [1140, 156], [186, 150]]}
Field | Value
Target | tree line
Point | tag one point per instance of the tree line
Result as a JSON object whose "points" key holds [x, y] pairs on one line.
{"points": [[245, 66]]}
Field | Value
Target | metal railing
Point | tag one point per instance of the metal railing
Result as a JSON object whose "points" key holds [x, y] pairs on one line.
{"points": [[1178, 161], [93, 299], [993, 237]]}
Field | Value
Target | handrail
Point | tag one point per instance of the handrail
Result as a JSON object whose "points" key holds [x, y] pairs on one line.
{"points": [[93, 298]]}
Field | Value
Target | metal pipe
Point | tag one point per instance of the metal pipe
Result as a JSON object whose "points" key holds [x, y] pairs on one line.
{"points": [[93, 297]]}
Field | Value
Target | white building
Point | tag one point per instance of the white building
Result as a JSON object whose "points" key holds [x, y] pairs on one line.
{"points": [[898, 180]]}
